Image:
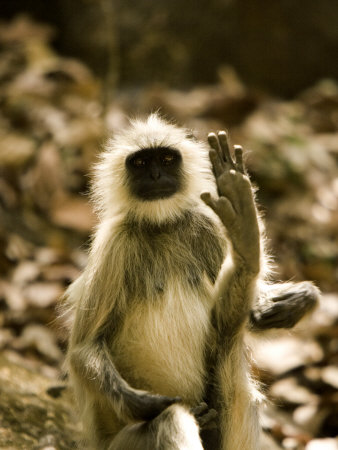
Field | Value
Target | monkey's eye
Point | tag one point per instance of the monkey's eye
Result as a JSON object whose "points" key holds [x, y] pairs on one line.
{"points": [[168, 159], [138, 162]]}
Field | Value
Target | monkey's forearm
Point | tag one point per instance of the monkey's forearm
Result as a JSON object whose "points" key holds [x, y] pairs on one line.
{"points": [[231, 385], [234, 301], [236, 291], [93, 365]]}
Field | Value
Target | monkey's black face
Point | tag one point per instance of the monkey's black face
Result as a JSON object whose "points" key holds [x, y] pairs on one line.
{"points": [[154, 173]]}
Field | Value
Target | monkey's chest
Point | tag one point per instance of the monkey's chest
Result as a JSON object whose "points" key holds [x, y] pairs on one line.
{"points": [[161, 346]]}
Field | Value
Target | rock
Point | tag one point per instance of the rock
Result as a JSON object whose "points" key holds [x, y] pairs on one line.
{"points": [[29, 417]]}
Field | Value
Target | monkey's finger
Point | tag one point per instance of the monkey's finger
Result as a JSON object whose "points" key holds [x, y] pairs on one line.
{"points": [[222, 207], [225, 211], [223, 140], [239, 158], [209, 416], [199, 409], [216, 163], [210, 425], [208, 200], [214, 144]]}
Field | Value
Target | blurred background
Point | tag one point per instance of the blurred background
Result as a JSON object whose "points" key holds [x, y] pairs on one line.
{"points": [[71, 72]]}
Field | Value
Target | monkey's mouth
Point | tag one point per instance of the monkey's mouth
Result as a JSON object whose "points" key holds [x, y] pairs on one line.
{"points": [[156, 193]]}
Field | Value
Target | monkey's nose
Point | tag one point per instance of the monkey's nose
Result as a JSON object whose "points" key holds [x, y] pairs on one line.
{"points": [[155, 172]]}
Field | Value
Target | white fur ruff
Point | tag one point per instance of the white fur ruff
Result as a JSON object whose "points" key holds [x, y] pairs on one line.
{"points": [[111, 194]]}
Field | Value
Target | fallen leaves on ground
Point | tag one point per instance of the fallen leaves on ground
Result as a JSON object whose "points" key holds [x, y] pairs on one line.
{"points": [[51, 129]]}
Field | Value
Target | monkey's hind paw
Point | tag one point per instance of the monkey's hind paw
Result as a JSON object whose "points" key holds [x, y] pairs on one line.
{"points": [[287, 305], [146, 406], [204, 416]]}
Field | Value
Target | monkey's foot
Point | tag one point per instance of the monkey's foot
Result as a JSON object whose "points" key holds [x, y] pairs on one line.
{"points": [[204, 416], [287, 304], [146, 406]]}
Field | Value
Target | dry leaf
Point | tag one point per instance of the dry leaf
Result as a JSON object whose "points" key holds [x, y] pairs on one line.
{"points": [[40, 338], [25, 272], [74, 213], [323, 444], [42, 294], [285, 353]]}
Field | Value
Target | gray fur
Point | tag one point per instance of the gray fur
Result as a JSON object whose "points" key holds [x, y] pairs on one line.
{"points": [[162, 308], [191, 245]]}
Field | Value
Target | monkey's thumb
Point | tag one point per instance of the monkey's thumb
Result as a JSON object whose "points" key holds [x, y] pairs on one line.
{"points": [[206, 197]]}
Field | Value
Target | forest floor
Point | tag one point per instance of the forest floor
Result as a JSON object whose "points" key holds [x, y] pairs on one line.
{"points": [[52, 126]]}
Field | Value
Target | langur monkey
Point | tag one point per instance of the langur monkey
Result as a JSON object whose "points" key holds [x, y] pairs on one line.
{"points": [[176, 276]]}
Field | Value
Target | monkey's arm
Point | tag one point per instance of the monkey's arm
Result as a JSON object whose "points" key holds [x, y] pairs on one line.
{"points": [[236, 208], [230, 390], [92, 364], [284, 305], [281, 305]]}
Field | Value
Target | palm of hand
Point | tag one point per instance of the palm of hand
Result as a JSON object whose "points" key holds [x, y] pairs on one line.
{"points": [[235, 204]]}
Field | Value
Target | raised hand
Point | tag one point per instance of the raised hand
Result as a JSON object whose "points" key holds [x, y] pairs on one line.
{"points": [[235, 204]]}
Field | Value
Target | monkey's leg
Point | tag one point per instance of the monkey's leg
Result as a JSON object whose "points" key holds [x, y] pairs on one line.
{"points": [[174, 429], [92, 368], [283, 305]]}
